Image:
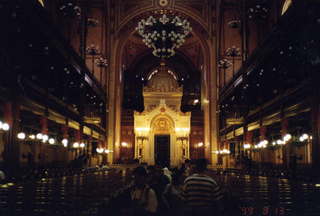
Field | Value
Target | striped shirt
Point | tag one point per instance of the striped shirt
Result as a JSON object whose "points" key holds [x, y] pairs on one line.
{"points": [[201, 190]]}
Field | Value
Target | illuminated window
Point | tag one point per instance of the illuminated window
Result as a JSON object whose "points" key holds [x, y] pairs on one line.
{"points": [[286, 5], [41, 2]]}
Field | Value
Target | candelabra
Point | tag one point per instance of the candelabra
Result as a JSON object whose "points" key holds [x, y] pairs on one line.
{"points": [[164, 34], [233, 52], [92, 50], [101, 62], [224, 64]]}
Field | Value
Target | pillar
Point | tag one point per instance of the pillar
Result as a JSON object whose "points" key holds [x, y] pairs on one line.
{"points": [[315, 120], [12, 146]]}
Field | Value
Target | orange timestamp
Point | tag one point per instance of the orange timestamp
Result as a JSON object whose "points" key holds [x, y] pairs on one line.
{"points": [[264, 211]]}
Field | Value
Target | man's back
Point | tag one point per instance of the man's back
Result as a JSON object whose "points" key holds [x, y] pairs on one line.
{"points": [[201, 190]]}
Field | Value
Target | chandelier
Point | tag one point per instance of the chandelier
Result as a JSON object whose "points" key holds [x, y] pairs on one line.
{"points": [[164, 34]]}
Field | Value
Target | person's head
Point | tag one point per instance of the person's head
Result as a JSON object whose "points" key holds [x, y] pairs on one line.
{"points": [[166, 171], [201, 165], [177, 178], [151, 169], [140, 176]]}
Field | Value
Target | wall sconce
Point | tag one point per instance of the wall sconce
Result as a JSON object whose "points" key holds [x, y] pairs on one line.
{"points": [[4, 126], [200, 144], [21, 136], [65, 142], [124, 144], [100, 150], [51, 141], [32, 137], [246, 146], [75, 145], [45, 138], [39, 136]]}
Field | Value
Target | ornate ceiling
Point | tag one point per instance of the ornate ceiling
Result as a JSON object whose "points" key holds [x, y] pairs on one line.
{"points": [[200, 13], [135, 48], [137, 59]]}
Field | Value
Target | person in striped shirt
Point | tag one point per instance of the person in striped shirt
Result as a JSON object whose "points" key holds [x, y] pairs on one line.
{"points": [[201, 193]]}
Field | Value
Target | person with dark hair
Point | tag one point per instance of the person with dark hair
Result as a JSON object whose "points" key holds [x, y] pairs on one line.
{"points": [[135, 199], [186, 168], [173, 194], [158, 182], [144, 199], [201, 193]]}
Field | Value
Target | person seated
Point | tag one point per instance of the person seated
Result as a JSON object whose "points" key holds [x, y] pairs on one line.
{"points": [[135, 199], [2, 177], [167, 173], [202, 194], [174, 194], [144, 199]]}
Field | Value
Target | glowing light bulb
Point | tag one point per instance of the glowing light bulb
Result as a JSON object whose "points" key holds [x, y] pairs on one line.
{"points": [[65, 142], [76, 145], [21, 135], [39, 136], [5, 126], [45, 138], [51, 141]]}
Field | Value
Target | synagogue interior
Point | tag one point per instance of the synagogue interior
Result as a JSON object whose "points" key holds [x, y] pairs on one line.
{"points": [[92, 89]]}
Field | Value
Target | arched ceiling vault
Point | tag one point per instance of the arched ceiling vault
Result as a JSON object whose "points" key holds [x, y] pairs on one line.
{"points": [[180, 64], [130, 44], [136, 60]]}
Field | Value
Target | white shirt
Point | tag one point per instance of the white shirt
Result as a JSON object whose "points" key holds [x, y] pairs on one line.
{"points": [[2, 175], [149, 201]]}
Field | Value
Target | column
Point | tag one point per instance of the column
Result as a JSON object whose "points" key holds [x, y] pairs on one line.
{"points": [[12, 146], [136, 148], [186, 147], [315, 119], [181, 149], [146, 151]]}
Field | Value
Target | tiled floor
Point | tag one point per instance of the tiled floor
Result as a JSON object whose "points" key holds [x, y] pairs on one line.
{"points": [[259, 195], [81, 194]]}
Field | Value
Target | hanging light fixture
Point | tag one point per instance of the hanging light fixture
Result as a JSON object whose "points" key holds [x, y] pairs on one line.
{"points": [[101, 62], [164, 34]]}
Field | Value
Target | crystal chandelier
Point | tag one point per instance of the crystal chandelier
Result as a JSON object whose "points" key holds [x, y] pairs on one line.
{"points": [[164, 34]]}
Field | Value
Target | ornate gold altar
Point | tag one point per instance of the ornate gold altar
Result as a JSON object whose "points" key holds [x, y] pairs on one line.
{"points": [[162, 116]]}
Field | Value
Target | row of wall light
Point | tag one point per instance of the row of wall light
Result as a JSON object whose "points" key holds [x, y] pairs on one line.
{"points": [[103, 151], [280, 142], [45, 138], [78, 145], [222, 152], [261, 144]]}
